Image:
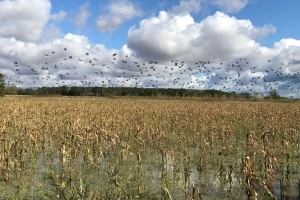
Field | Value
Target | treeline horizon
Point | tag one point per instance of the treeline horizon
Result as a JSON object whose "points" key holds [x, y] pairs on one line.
{"points": [[128, 91]]}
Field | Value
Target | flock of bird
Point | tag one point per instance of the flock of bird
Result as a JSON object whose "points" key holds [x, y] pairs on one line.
{"points": [[122, 71]]}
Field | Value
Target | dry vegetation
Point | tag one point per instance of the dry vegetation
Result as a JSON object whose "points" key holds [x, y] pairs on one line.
{"points": [[89, 148]]}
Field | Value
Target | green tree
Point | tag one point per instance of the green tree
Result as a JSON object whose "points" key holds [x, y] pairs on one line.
{"points": [[11, 90], [2, 86], [64, 90], [273, 94]]}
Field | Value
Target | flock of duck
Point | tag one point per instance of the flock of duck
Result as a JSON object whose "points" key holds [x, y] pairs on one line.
{"points": [[122, 71]]}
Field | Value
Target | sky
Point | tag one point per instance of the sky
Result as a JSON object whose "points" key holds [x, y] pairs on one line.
{"points": [[230, 45]]}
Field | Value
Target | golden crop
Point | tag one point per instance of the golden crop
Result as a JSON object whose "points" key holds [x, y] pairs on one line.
{"points": [[96, 148]]}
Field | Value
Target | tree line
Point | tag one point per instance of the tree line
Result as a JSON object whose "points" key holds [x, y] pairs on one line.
{"points": [[123, 91]]}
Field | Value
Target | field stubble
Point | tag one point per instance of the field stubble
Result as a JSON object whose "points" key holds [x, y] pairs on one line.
{"points": [[150, 149]]}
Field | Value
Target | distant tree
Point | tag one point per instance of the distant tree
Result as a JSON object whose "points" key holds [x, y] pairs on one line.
{"points": [[2, 86], [64, 90], [76, 91], [273, 94], [245, 95], [258, 95], [232, 95], [11, 90]]}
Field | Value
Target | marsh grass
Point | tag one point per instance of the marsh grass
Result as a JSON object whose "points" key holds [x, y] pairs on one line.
{"points": [[95, 148]]}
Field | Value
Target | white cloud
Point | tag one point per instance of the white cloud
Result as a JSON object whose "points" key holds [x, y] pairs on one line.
{"points": [[255, 33], [50, 32], [287, 50], [218, 36], [187, 6], [58, 17], [23, 19], [41, 62], [165, 36], [287, 43], [118, 13], [218, 39], [82, 15], [230, 6], [224, 36]]}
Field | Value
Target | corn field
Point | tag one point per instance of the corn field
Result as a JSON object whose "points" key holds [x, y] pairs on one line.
{"points": [[93, 148]]}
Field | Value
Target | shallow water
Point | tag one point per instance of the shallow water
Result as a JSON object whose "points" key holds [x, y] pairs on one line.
{"points": [[159, 175]]}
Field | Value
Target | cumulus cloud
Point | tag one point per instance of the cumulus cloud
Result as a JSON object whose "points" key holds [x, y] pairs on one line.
{"points": [[230, 6], [187, 6], [228, 46], [50, 32], [23, 19], [287, 43], [255, 33], [217, 36], [224, 36], [58, 17], [68, 60], [117, 13], [82, 15], [164, 36]]}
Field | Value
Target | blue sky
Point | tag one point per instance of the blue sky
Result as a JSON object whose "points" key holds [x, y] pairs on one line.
{"points": [[253, 43], [283, 16]]}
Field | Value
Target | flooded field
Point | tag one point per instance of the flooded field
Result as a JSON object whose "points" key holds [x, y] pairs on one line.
{"points": [[68, 148]]}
